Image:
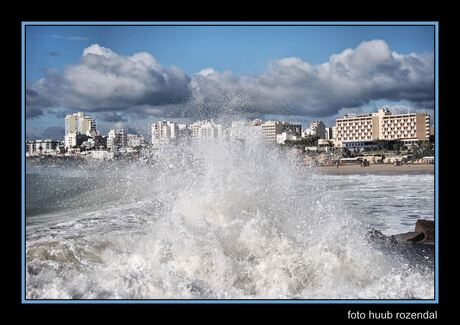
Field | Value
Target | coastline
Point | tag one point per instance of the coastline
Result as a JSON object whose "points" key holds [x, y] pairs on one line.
{"points": [[382, 169]]}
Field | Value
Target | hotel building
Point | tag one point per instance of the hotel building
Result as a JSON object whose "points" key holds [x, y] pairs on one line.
{"points": [[361, 130]]}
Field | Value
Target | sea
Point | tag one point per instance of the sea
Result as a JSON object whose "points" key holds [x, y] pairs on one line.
{"points": [[219, 220]]}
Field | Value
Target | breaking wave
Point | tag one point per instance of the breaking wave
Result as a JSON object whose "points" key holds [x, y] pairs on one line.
{"points": [[206, 220]]}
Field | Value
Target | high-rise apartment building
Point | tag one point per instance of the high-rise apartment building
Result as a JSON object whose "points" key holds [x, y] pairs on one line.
{"points": [[195, 127], [88, 124], [210, 130], [71, 123], [164, 131], [359, 130], [78, 122]]}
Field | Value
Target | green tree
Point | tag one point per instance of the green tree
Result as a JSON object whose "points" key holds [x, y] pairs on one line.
{"points": [[422, 149]]}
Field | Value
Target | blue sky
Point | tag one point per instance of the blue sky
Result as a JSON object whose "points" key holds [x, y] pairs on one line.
{"points": [[245, 51]]}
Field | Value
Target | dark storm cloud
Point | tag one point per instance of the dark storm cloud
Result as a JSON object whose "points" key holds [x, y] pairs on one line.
{"points": [[105, 82], [33, 112], [110, 117]]}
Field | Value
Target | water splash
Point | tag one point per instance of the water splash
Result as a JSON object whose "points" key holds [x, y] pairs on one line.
{"points": [[213, 220]]}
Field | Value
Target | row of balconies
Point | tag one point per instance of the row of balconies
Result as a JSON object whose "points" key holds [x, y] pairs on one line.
{"points": [[355, 127], [354, 123], [397, 136], [356, 132], [399, 128], [399, 124], [399, 131], [405, 135]]}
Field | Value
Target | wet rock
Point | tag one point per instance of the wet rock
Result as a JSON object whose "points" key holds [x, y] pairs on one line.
{"points": [[423, 234], [417, 246], [427, 228]]}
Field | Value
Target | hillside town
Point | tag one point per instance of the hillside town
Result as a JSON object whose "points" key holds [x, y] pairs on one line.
{"points": [[373, 138]]}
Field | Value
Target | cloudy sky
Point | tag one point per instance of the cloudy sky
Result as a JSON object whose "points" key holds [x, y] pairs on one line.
{"points": [[131, 76]]}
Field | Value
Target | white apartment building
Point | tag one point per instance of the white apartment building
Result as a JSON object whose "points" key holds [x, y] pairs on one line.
{"points": [[195, 127], [271, 128], [360, 130], [134, 140], [74, 139], [43, 147], [210, 130], [164, 131]]}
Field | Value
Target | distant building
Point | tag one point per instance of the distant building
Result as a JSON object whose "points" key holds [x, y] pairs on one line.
{"points": [[271, 128], [183, 130], [43, 147], [328, 132], [78, 122], [280, 138], [98, 142], [74, 139], [210, 130], [164, 131], [134, 140], [334, 132], [317, 128], [195, 127], [116, 139]]}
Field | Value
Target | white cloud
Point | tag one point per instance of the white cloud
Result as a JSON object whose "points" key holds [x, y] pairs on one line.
{"points": [[104, 81], [351, 78]]}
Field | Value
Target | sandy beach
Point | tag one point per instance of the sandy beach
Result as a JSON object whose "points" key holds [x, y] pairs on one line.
{"points": [[378, 169]]}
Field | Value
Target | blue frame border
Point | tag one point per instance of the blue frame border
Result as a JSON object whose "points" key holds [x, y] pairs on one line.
{"points": [[435, 24]]}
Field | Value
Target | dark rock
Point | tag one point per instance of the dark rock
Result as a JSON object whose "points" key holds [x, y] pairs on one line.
{"points": [[423, 234], [417, 247], [407, 237], [427, 228]]}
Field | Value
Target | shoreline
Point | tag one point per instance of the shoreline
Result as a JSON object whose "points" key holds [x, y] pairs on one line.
{"points": [[382, 169]]}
